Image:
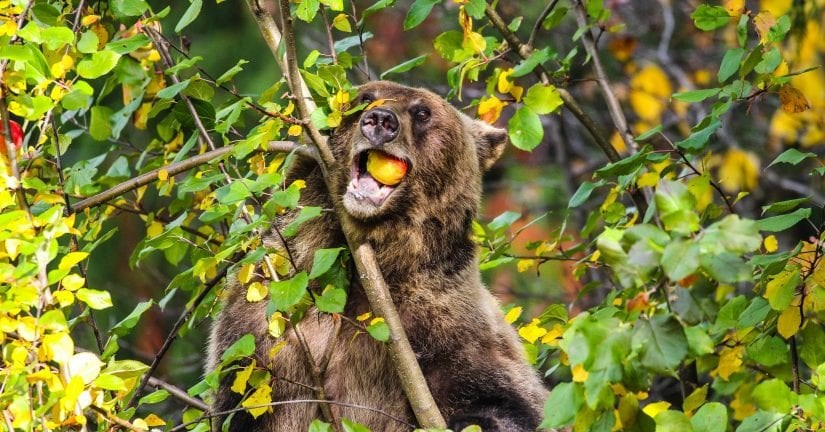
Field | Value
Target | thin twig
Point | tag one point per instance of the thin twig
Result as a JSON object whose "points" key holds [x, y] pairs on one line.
{"points": [[173, 334], [178, 393], [542, 16], [613, 105], [179, 167], [112, 418], [317, 376]]}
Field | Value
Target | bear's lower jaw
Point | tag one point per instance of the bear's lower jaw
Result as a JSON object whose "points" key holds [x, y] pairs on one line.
{"points": [[365, 196]]}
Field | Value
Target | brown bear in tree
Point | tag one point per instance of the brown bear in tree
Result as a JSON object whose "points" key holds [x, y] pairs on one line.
{"points": [[421, 232]]}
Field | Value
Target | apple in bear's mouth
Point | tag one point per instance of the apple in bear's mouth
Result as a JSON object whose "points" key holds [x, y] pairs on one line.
{"points": [[375, 174]]}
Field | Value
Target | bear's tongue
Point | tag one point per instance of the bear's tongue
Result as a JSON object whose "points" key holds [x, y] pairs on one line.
{"points": [[364, 186]]}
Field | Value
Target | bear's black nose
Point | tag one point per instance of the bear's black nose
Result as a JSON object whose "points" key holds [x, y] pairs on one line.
{"points": [[379, 126]]}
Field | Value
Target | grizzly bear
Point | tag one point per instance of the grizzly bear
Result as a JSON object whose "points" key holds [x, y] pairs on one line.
{"points": [[420, 230]]}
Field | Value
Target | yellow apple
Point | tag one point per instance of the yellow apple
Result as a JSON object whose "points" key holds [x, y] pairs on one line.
{"points": [[385, 168]]}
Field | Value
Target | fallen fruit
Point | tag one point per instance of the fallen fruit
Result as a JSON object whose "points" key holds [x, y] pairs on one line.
{"points": [[385, 168], [16, 136]]}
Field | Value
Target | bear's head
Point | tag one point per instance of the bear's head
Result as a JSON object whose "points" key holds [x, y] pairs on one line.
{"points": [[407, 149]]}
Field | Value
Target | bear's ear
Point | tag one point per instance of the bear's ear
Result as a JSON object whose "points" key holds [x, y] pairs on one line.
{"points": [[489, 140]]}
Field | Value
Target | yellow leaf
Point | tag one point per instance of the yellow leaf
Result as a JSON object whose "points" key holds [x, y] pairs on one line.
{"points": [[140, 424], [579, 374], [525, 264], [363, 317], [504, 83], [341, 22], [163, 175], [340, 102], [516, 92], [9, 28], [84, 365], [376, 320], [89, 19], [739, 171], [475, 42], [789, 321], [513, 314], [377, 103], [261, 396], [21, 412], [256, 292], [763, 21], [95, 299], [72, 282], [648, 179], [653, 409], [730, 361], [735, 7], [58, 347], [552, 337], [648, 91], [489, 109], [770, 244], [155, 229], [242, 377], [64, 298], [277, 325], [294, 130], [532, 331], [153, 420], [695, 399], [792, 100], [245, 275], [71, 258]]}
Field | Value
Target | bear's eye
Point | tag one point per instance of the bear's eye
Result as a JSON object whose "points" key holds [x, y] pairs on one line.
{"points": [[422, 115]]}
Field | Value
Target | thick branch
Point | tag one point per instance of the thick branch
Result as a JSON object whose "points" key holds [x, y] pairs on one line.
{"points": [[177, 168], [404, 360]]}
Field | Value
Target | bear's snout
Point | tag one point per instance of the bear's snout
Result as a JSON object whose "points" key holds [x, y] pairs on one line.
{"points": [[379, 126]]}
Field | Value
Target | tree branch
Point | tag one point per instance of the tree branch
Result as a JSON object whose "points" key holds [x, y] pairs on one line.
{"points": [[403, 357], [179, 167], [613, 105]]}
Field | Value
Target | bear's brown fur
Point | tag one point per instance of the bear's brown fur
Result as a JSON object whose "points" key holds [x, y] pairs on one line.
{"points": [[472, 359]]}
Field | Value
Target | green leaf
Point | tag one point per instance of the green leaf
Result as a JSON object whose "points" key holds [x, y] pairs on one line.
{"points": [[562, 405], [784, 206], [696, 95], [95, 299], [791, 156], [781, 289], [319, 426], [535, 59], [757, 310], [525, 129], [100, 128], [190, 15], [662, 341], [770, 61], [405, 66], [783, 222], [88, 42], [699, 137], [449, 46], [234, 70], [379, 330], [676, 207], [323, 260], [331, 300], [377, 6], [173, 90], [126, 324], [128, 8], [154, 397], [732, 234], [813, 339], [708, 18], [287, 293], [56, 37], [304, 215], [769, 351], [100, 63], [543, 99], [680, 259], [778, 31], [649, 133], [762, 421], [234, 192], [243, 347], [307, 10], [711, 417], [555, 17], [125, 46], [774, 395], [730, 64], [726, 267], [583, 192], [673, 421], [418, 12], [699, 343]]}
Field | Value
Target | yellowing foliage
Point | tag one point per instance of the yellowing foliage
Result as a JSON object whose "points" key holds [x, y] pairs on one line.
{"points": [[649, 90]]}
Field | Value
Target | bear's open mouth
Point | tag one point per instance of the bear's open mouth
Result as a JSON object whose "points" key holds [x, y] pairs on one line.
{"points": [[375, 175]]}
